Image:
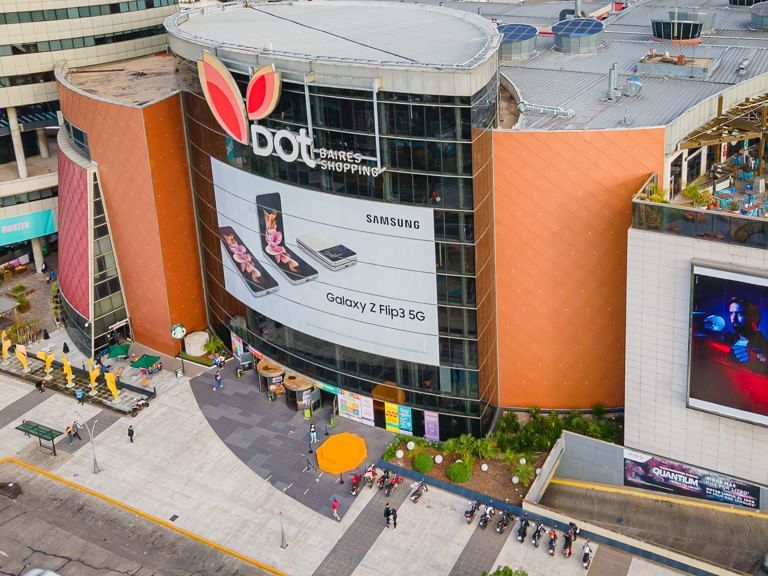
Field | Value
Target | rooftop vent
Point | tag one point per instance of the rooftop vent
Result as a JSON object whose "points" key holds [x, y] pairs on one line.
{"points": [[679, 65], [578, 36], [760, 16], [707, 19], [678, 31], [517, 40]]}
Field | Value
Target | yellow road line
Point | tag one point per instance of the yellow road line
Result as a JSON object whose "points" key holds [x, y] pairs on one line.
{"points": [[150, 517], [658, 496]]}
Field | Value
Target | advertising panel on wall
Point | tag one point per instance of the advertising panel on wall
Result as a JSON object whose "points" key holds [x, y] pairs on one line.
{"points": [[27, 226], [355, 272], [652, 473], [391, 417], [355, 407], [237, 344], [431, 426], [728, 365]]}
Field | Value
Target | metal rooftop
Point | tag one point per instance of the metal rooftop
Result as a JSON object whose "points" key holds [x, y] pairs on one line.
{"points": [[379, 33], [578, 83]]}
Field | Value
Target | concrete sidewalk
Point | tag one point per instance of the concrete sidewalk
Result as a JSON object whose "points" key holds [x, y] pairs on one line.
{"points": [[180, 469]]}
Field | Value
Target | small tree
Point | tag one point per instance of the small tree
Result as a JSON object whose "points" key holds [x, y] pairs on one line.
{"points": [[506, 571]]}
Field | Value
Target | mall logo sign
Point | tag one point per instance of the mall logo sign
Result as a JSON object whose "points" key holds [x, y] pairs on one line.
{"points": [[261, 98]]}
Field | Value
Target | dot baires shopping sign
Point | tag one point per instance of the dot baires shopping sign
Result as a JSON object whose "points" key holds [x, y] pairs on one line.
{"points": [[261, 98]]}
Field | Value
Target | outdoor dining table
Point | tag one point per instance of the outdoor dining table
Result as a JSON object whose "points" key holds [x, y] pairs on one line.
{"points": [[723, 199], [752, 209]]}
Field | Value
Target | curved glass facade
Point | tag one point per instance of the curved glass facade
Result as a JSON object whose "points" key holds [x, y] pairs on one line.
{"points": [[436, 153]]}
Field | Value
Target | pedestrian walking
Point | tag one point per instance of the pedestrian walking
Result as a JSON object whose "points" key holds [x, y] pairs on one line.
{"points": [[79, 395], [69, 434], [393, 515], [387, 513], [313, 434], [76, 429], [40, 386], [130, 433], [335, 508], [217, 380]]}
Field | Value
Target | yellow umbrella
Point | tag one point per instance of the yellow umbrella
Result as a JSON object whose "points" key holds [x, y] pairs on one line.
{"points": [[341, 453]]}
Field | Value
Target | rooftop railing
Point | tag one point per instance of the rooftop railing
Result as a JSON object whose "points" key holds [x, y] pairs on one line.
{"points": [[652, 211]]}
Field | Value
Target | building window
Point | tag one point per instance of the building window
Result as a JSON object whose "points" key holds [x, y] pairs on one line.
{"points": [[78, 138], [82, 12]]}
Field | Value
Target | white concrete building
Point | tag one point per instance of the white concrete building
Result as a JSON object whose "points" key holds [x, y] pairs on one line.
{"points": [[34, 35]]}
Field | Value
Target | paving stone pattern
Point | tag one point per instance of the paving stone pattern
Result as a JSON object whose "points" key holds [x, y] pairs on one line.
{"points": [[273, 440], [361, 535], [17, 409], [480, 552], [105, 419]]}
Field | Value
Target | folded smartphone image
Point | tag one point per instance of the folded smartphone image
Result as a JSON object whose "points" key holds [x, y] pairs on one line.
{"points": [[258, 280], [327, 251], [270, 214]]}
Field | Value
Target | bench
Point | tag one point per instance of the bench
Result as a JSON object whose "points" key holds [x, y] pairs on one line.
{"points": [[41, 433]]}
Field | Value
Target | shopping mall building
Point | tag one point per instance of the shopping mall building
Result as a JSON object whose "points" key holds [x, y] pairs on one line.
{"points": [[411, 208]]}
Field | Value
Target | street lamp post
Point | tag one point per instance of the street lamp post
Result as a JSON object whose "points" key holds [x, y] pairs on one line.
{"points": [[91, 433]]}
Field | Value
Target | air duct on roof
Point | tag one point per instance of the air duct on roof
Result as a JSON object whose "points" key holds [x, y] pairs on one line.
{"points": [[707, 19], [578, 36], [760, 16], [613, 81], [744, 3], [517, 40], [679, 31]]}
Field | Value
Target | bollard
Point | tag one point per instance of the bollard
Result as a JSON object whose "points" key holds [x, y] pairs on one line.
{"points": [[341, 478], [326, 430], [310, 446]]}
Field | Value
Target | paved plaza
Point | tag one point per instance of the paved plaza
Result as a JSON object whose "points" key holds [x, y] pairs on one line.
{"points": [[201, 460]]}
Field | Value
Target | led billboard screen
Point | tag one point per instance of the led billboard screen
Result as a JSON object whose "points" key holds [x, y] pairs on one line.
{"points": [[355, 272], [728, 369]]}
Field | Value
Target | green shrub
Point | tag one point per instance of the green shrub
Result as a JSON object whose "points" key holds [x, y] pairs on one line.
{"points": [[485, 448], [391, 449], [24, 305], [598, 411], [525, 473], [422, 463], [506, 571], [19, 288], [459, 472]]}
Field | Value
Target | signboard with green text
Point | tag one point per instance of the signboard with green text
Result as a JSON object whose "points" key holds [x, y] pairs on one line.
{"points": [[21, 228]]}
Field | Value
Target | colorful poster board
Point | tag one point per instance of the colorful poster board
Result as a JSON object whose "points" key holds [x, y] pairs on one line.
{"points": [[237, 344], [366, 405], [432, 426], [391, 417], [653, 473], [405, 417], [349, 406]]}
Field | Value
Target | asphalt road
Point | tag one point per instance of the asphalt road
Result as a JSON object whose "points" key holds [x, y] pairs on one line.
{"points": [[54, 526]]}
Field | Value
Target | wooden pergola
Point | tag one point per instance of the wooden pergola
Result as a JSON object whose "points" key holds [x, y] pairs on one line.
{"points": [[745, 121]]}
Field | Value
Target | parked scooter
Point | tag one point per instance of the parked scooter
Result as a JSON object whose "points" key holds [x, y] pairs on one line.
{"points": [[357, 482], [586, 555], [486, 516], [470, 514], [383, 479], [537, 533], [522, 531], [552, 541], [503, 522], [370, 475], [392, 484], [568, 544], [421, 487]]}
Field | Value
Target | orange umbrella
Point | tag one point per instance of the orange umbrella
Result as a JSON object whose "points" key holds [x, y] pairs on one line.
{"points": [[341, 453]]}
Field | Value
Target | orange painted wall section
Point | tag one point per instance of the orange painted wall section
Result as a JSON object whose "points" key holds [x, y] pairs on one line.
{"points": [[120, 146], [563, 208], [164, 128]]}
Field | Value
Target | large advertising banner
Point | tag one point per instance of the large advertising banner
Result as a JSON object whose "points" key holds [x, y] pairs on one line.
{"points": [[645, 471], [431, 426], [728, 369], [355, 272], [391, 417], [349, 406]]}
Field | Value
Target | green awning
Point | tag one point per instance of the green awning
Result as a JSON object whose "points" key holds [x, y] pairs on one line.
{"points": [[146, 361], [38, 430], [119, 351]]}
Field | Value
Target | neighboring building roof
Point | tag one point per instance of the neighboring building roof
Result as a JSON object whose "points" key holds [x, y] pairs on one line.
{"points": [[377, 33], [579, 82]]}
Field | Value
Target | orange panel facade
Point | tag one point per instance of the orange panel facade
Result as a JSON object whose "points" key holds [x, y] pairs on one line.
{"points": [[563, 208], [137, 191]]}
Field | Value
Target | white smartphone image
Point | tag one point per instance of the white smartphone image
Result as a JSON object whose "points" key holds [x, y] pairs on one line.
{"points": [[326, 250]]}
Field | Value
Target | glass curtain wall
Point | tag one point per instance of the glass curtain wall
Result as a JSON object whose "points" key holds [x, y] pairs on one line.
{"points": [[436, 151]]}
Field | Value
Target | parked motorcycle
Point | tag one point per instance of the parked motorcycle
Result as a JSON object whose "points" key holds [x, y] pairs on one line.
{"points": [[139, 406], [503, 522], [586, 555], [370, 475], [421, 488], [568, 544], [486, 516], [552, 542], [383, 479], [470, 514], [392, 484], [537, 533], [357, 482], [522, 531]]}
